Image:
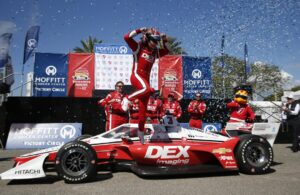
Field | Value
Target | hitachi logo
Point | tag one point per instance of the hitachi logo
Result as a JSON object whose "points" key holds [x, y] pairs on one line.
{"points": [[167, 152], [28, 172]]}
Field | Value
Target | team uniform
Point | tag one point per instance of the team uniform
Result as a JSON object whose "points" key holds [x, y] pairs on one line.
{"points": [[134, 113], [196, 109], [173, 108], [115, 115], [143, 61], [153, 110], [240, 112]]}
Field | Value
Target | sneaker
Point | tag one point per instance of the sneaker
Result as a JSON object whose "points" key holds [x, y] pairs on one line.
{"points": [[125, 104], [141, 136]]}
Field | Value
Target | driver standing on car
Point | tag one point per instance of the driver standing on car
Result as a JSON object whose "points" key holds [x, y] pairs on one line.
{"points": [[115, 116]]}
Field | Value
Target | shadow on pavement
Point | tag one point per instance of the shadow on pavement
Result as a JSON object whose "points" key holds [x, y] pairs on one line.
{"points": [[50, 179], [6, 159], [198, 175]]}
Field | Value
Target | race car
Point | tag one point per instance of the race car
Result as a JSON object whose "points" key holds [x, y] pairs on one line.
{"points": [[168, 149]]}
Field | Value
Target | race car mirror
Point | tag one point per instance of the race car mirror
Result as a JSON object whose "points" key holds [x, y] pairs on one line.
{"points": [[126, 140]]}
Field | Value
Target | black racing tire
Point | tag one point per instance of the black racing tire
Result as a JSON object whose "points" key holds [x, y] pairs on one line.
{"points": [[76, 162], [254, 154], [83, 137]]}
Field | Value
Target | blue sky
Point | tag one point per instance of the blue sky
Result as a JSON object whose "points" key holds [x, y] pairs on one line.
{"points": [[270, 27]]}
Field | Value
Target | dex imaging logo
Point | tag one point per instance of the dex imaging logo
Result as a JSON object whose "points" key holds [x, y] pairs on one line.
{"points": [[32, 43], [196, 74], [67, 131], [123, 50], [51, 70]]}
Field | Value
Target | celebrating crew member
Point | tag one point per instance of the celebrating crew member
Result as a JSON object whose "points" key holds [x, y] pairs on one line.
{"points": [[144, 52], [115, 116], [154, 108], [196, 109], [240, 111], [134, 111], [172, 106]]}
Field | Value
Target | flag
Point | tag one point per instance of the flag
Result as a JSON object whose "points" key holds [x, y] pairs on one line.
{"points": [[4, 48], [31, 42], [222, 51], [247, 65]]}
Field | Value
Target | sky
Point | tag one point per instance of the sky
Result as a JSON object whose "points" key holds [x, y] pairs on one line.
{"points": [[271, 28]]}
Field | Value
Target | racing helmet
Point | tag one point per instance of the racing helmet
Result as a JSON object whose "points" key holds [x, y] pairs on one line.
{"points": [[153, 35], [241, 96]]}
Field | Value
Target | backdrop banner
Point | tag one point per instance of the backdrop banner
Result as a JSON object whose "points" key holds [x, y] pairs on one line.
{"points": [[50, 75], [41, 135], [170, 73], [81, 74], [197, 76], [114, 63]]}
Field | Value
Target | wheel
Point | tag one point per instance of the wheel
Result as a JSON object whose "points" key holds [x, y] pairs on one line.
{"points": [[76, 162], [253, 154], [82, 137]]}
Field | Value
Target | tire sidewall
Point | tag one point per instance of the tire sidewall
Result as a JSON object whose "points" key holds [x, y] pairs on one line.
{"points": [[244, 166], [92, 162]]}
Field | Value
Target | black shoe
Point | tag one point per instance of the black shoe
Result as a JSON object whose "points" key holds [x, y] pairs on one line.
{"points": [[295, 149]]}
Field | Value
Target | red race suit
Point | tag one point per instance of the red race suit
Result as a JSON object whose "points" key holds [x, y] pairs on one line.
{"points": [[134, 113], [173, 107], [153, 110], [115, 116], [240, 112], [143, 60], [196, 109]]}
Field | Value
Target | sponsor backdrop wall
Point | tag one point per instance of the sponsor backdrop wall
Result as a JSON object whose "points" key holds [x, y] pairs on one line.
{"points": [[50, 75]]}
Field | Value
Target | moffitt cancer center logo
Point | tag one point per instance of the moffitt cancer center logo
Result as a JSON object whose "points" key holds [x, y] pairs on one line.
{"points": [[51, 70], [123, 50], [31, 43], [196, 74], [67, 131]]}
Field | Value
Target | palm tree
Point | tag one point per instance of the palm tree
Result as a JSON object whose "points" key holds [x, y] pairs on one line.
{"points": [[87, 45], [175, 47]]}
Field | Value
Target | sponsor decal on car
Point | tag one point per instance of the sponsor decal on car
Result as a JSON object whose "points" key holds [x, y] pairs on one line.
{"points": [[28, 172], [221, 151], [223, 157], [169, 155]]}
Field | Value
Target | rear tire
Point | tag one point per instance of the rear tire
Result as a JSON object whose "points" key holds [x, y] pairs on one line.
{"points": [[253, 154], [76, 162]]}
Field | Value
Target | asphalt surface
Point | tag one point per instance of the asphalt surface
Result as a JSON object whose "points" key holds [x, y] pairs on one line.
{"points": [[284, 178]]}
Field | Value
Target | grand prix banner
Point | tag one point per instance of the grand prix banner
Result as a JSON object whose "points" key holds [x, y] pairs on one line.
{"points": [[41, 135], [50, 75], [114, 63], [196, 77], [170, 73], [81, 74]]}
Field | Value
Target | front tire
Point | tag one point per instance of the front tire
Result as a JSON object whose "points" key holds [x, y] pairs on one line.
{"points": [[254, 154], [76, 162]]}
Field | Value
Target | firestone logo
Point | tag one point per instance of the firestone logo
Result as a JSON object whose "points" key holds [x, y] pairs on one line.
{"points": [[51, 70], [67, 131], [196, 74]]}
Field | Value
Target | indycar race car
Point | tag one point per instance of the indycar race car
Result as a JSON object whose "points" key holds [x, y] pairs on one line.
{"points": [[168, 149]]}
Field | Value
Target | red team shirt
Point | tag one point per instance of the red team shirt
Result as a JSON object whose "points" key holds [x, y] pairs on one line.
{"points": [[153, 110], [115, 115], [240, 112], [196, 110], [173, 107], [134, 112]]}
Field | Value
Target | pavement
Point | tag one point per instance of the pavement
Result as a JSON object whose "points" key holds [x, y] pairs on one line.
{"points": [[284, 178]]}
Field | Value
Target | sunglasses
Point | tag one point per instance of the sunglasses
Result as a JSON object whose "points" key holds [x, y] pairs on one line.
{"points": [[241, 96], [198, 95], [119, 85]]}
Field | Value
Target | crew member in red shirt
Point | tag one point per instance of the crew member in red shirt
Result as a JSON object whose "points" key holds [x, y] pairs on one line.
{"points": [[153, 109], [196, 109], [240, 111], [115, 116], [172, 106], [134, 111], [144, 52]]}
